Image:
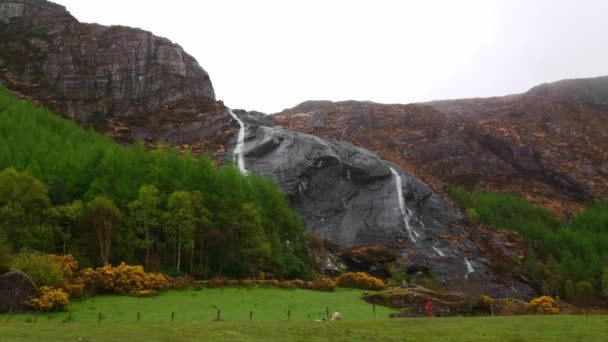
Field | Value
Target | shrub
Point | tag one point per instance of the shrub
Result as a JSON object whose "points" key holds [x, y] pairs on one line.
{"points": [[40, 267], [322, 284], [510, 306], [605, 282], [543, 305], [4, 254], [569, 291], [584, 291], [50, 299], [485, 304], [360, 280], [123, 280], [473, 215]]}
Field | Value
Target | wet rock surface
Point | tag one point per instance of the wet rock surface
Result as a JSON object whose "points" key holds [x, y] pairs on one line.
{"points": [[548, 144], [124, 81], [16, 288], [348, 195]]}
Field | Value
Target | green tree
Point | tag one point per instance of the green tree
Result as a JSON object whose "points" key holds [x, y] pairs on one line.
{"points": [[42, 270], [145, 217], [180, 223], [5, 251], [605, 282], [202, 217], [23, 205], [569, 290], [70, 217], [103, 216], [584, 291]]}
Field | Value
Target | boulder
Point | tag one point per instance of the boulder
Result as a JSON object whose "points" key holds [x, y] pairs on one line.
{"points": [[16, 288]]}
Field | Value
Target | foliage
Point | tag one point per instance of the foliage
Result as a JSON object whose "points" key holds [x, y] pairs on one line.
{"points": [[40, 267], [322, 284], [543, 305], [50, 299], [56, 171], [5, 251], [569, 291], [558, 250], [123, 280], [584, 291], [360, 280], [103, 216], [605, 282]]}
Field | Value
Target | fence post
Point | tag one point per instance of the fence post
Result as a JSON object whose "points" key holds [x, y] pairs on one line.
{"points": [[250, 315], [99, 318], [327, 313], [10, 312], [69, 317], [218, 315], [138, 316], [172, 316], [288, 314]]}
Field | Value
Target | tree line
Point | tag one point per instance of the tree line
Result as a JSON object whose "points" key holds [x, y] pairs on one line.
{"points": [[64, 189]]}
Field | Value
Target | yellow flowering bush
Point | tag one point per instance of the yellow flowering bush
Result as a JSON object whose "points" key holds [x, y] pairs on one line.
{"points": [[323, 284], [360, 280], [543, 305], [123, 279], [50, 299]]}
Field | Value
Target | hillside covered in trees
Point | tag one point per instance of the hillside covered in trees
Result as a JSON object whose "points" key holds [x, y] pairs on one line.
{"points": [[563, 258], [64, 189]]}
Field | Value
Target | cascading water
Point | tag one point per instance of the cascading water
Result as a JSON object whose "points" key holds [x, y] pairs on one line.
{"points": [[438, 251], [240, 145], [405, 212], [470, 268]]}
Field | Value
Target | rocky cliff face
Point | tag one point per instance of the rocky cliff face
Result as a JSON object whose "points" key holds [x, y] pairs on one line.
{"points": [[352, 197], [548, 144], [124, 81]]}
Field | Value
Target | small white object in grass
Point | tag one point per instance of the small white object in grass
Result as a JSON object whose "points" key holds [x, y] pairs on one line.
{"points": [[336, 316]]}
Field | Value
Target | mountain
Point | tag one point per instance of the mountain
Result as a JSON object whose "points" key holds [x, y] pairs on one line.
{"points": [[132, 85], [548, 144], [123, 81]]}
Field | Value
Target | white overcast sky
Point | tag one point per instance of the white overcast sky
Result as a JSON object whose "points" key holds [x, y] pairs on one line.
{"points": [[269, 55]]}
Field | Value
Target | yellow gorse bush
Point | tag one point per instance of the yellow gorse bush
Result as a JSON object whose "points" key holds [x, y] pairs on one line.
{"points": [[360, 280], [544, 305], [50, 299], [124, 279]]}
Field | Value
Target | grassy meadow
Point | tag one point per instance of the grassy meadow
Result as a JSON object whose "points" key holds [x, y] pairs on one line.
{"points": [[194, 311], [508, 328]]}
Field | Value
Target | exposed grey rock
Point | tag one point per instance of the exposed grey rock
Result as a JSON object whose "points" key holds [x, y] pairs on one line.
{"points": [[348, 195], [16, 288]]}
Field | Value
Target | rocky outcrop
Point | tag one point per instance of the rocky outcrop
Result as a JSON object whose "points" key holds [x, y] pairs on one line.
{"points": [[16, 288], [548, 144], [351, 196], [123, 81]]}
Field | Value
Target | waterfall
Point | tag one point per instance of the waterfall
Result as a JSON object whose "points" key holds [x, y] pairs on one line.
{"points": [[240, 145], [470, 268], [439, 252], [405, 212]]}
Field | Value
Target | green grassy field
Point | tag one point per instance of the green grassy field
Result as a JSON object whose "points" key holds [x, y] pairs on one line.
{"points": [[194, 311], [235, 305], [514, 328]]}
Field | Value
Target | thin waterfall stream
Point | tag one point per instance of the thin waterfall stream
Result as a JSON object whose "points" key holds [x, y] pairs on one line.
{"points": [[239, 158], [470, 268], [405, 212]]}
